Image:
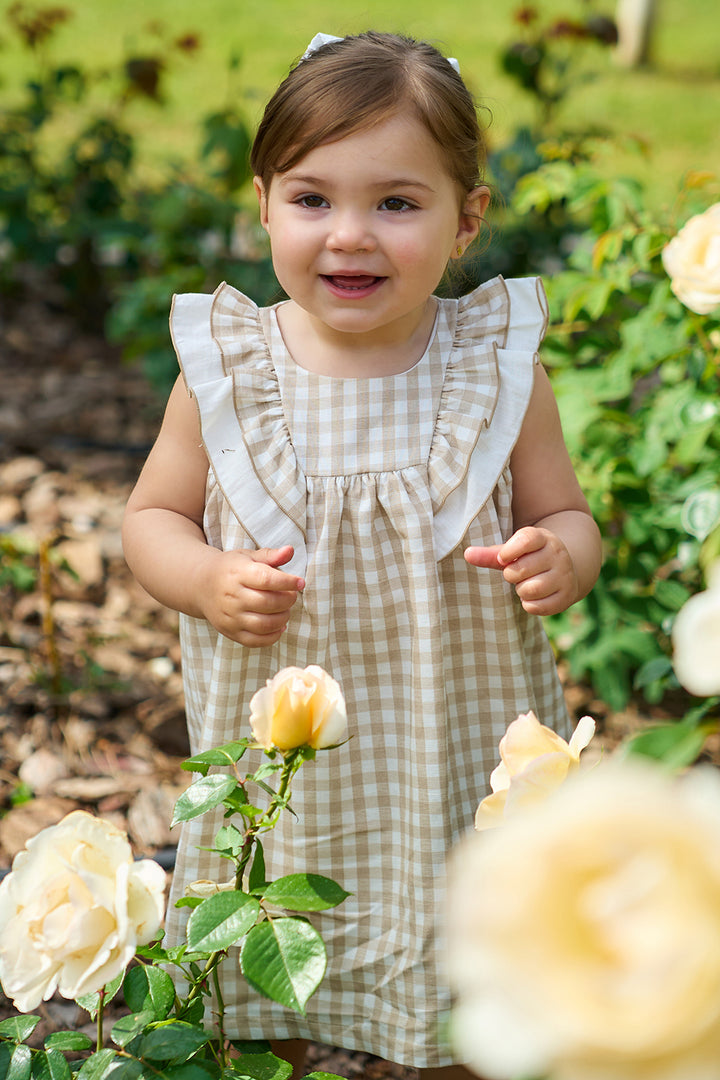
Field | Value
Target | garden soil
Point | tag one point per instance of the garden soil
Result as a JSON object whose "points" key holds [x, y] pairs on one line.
{"points": [[91, 710]]}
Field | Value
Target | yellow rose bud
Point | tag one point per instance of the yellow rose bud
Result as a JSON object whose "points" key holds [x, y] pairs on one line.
{"points": [[299, 707]]}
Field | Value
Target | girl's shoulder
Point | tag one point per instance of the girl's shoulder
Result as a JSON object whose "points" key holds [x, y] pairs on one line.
{"points": [[510, 313], [214, 332]]}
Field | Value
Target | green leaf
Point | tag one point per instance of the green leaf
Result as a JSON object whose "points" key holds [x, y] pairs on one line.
{"points": [[74, 1041], [256, 877], [285, 960], [127, 1070], [321, 1076], [221, 920], [127, 1028], [191, 1070], [98, 1066], [221, 756], [18, 1028], [20, 1064], [230, 839], [149, 989], [305, 892], [205, 794], [51, 1066], [174, 1042], [91, 1002], [675, 745], [262, 1067]]}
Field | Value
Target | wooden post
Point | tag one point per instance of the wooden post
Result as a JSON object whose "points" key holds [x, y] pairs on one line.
{"points": [[635, 20]]}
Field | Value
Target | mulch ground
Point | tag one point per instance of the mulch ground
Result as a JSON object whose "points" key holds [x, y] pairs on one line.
{"points": [[91, 710]]}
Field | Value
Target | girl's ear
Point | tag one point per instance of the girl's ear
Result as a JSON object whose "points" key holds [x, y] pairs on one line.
{"points": [[472, 215], [262, 200]]}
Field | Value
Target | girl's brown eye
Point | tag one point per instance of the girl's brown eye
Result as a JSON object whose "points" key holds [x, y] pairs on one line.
{"points": [[395, 204], [313, 201]]}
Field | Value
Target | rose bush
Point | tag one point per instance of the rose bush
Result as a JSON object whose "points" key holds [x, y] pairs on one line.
{"points": [[696, 639], [534, 761], [692, 261], [585, 937], [299, 707], [74, 909]]}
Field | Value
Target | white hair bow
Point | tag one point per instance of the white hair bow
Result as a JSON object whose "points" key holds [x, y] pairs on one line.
{"points": [[324, 39]]}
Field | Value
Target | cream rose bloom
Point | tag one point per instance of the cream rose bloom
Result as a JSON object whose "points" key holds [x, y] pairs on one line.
{"points": [[534, 761], [73, 910], [696, 640], [584, 937], [692, 261], [299, 707]]}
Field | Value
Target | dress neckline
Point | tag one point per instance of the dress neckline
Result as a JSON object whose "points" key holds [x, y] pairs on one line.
{"points": [[279, 350]]}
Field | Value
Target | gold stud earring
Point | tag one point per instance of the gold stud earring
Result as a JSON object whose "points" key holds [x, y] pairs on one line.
{"points": [[459, 250]]}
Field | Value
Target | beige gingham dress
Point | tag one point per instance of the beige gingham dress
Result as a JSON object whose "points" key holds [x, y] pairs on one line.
{"points": [[379, 484]]}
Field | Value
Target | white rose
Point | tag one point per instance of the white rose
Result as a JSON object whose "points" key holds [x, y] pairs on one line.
{"points": [[299, 707], [696, 640], [692, 261], [584, 937], [534, 761], [73, 910]]}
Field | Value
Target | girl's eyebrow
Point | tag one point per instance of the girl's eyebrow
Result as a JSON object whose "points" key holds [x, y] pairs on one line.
{"points": [[390, 182]]}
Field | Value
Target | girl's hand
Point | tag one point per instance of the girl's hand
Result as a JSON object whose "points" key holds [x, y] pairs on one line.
{"points": [[245, 595], [538, 564]]}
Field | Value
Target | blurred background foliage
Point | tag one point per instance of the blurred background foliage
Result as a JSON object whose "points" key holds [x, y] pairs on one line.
{"points": [[124, 134]]}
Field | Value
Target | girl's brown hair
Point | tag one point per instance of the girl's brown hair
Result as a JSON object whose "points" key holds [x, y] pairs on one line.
{"points": [[361, 80]]}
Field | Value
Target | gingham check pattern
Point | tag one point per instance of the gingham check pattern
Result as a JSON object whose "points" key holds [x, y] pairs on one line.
{"points": [[435, 657]]}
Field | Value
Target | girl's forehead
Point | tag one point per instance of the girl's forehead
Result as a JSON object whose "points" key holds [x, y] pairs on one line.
{"points": [[397, 142]]}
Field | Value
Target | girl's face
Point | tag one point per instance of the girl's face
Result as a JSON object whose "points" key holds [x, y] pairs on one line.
{"points": [[362, 229]]}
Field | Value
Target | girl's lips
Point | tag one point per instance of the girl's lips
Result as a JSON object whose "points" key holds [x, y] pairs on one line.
{"points": [[352, 285]]}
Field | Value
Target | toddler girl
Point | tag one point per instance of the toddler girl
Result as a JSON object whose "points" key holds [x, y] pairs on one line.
{"points": [[371, 479]]}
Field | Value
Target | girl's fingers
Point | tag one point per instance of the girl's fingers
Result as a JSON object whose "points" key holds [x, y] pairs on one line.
{"points": [[485, 557]]}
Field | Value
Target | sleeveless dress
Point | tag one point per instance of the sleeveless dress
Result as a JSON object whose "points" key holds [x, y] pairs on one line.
{"points": [[379, 484]]}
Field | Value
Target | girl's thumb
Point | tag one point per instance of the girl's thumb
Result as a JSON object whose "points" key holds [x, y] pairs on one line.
{"points": [[273, 556]]}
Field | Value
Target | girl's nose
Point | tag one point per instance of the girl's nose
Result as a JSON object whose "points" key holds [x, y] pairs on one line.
{"points": [[350, 231]]}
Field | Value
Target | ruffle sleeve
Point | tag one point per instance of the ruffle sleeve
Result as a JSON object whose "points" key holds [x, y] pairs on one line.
{"points": [[224, 357], [486, 392]]}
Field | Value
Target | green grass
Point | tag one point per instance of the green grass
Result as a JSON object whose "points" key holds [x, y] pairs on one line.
{"points": [[674, 107]]}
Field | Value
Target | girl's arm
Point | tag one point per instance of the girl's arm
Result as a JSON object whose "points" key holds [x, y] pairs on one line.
{"points": [[243, 594], [553, 558]]}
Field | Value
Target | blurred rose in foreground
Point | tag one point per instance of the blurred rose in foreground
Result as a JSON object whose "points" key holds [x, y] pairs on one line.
{"points": [[585, 935], [299, 707], [534, 761], [692, 261], [696, 640], [73, 910]]}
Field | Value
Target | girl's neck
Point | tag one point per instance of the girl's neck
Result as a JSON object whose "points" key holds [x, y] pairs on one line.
{"points": [[322, 349]]}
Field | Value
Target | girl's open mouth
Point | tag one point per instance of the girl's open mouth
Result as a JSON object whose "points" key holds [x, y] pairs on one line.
{"points": [[352, 285]]}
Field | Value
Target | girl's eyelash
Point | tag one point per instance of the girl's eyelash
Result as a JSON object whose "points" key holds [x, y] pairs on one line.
{"points": [[405, 205], [304, 200]]}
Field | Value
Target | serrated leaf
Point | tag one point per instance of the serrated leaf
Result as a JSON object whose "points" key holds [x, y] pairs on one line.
{"points": [[74, 1041], [18, 1028], [51, 1065], [221, 921], [91, 1002], [205, 794], [192, 1070], [265, 1066], [221, 756], [174, 1042], [98, 1066], [229, 838], [149, 989], [20, 1064], [285, 960], [129, 1027], [305, 892]]}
